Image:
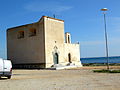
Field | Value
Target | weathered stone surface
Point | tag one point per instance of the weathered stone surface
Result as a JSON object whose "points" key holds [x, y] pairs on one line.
{"points": [[47, 47]]}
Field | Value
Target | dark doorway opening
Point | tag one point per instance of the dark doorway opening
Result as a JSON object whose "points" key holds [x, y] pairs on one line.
{"points": [[56, 58], [69, 58]]}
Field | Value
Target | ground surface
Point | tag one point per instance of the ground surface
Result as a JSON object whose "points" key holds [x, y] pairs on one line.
{"points": [[75, 79]]}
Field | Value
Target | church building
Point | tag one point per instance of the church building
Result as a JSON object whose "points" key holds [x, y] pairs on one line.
{"points": [[42, 44]]}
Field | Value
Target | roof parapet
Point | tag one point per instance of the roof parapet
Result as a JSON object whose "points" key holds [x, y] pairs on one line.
{"points": [[51, 18], [35, 22]]}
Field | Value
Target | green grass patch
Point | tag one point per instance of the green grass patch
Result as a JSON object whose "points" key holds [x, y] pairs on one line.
{"points": [[100, 64], [106, 71]]}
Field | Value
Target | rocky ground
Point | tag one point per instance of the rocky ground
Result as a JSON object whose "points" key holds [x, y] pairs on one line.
{"points": [[73, 79]]}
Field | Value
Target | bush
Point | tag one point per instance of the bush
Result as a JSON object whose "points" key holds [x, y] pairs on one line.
{"points": [[107, 71], [115, 71], [100, 64]]}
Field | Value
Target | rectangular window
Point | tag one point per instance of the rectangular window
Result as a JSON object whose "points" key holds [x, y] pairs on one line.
{"points": [[20, 34], [32, 32]]}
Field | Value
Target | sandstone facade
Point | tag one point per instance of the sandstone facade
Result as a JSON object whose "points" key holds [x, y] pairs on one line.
{"points": [[41, 44]]}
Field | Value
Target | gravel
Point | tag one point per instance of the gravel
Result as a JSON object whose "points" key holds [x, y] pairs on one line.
{"points": [[74, 79]]}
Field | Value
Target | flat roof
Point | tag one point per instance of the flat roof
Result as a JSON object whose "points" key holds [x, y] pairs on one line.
{"points": [[53, 18], [34, 23]]}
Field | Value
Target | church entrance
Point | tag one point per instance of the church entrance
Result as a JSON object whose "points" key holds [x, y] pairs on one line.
{"points": [[56, 57]]}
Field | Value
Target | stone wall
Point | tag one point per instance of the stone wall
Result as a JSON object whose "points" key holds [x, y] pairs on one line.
{"points": [[63, 50], [39, 50], [55, 43], [54, 34], [27, 50]]}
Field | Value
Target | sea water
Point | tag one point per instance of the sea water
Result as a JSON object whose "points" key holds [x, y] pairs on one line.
{"points": [[115, 59]]}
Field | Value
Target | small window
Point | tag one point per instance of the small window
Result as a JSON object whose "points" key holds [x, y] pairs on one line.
{"points": [[32, 32], [68, 39], [20, 34]]}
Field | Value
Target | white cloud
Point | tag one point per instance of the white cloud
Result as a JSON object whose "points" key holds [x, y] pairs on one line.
{"points": [[114, 23], [97, 48], [48, 6], [115, 19], [111, 41], [114, 40]]}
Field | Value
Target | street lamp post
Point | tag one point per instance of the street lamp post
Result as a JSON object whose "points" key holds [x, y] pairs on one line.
{"points": [[106, 41]]}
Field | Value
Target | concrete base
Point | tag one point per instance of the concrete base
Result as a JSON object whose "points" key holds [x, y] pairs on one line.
{"points": [[59, 67]]}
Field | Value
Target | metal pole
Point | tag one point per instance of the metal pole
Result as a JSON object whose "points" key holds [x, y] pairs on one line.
{"points": [[106, 41]]}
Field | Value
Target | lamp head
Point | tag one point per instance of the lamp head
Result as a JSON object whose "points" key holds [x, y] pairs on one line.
{"points": [[104, 9]]}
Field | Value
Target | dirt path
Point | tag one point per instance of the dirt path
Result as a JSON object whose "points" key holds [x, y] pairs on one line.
{"points": [[76, 79]]}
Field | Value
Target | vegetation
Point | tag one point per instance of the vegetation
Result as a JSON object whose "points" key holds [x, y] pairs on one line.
{"points": [[106, 71], [100, 64]]}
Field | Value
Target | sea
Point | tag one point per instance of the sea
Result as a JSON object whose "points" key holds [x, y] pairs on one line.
{"points": [[113, 59]]}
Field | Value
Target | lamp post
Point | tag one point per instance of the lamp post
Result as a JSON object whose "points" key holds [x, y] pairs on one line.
{"points": [[106, 41]]}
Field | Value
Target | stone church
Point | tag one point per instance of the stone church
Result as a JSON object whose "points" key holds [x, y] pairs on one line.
{"points": [[42, 44]]}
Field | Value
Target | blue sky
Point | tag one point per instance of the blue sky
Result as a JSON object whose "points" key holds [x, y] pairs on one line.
{"points": [[83, 19]]}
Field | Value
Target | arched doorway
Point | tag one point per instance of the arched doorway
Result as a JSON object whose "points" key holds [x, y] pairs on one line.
{"points": [[69, 58], [56, 57]]}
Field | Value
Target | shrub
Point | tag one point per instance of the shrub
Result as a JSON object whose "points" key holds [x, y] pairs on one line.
{"points": [[106, 71]]}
